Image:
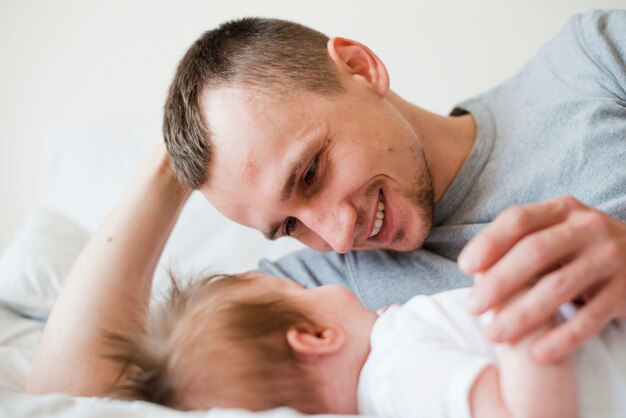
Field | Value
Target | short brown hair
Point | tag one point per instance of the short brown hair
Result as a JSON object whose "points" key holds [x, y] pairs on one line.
{"points": [[218, 342], [263, 54]]}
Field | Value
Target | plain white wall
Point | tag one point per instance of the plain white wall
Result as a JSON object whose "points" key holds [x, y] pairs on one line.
{"points": [[68, 62]]}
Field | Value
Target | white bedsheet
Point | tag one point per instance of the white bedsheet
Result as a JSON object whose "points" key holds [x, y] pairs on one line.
{"points": [[18, 338]]}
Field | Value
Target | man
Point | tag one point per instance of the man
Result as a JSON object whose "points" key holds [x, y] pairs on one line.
{"points": [[295, 134]]}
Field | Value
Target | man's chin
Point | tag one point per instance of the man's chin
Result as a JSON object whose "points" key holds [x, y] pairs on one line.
{"points": [[401, 246], [402, 243], [405, 247]]}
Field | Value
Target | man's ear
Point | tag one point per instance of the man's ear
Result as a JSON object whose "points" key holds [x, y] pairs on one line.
{"points": [[354, 58], [310, 342]]}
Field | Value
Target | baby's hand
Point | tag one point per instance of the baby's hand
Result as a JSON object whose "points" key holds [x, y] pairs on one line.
{"points": [[384, 309]]}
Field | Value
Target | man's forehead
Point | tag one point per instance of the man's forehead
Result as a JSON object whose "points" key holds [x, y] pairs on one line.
{"points": [[251, 131], [237, 105], [256, 141], [242, 123]]}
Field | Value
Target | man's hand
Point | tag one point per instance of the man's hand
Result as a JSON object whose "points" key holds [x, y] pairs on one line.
{"points": [[570, 250]]}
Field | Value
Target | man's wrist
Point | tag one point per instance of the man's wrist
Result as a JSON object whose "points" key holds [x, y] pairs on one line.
{"points": [[158, 170]]}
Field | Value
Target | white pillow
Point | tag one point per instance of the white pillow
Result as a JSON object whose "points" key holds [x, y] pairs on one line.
{"points": [[88, 171], [203, 238], [89, 166], [36, 262]]}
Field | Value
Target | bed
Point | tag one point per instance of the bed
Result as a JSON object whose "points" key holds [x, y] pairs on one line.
{"points": [[85, 176]]}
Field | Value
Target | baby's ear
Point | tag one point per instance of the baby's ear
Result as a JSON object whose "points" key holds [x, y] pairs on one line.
{"points": [[315, 342]]}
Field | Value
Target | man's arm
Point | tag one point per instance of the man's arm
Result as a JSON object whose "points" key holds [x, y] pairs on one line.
{"points": [[109, 286], [570, 250]]}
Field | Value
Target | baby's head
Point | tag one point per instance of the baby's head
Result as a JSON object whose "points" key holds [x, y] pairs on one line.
{"points": [[250, 341]]}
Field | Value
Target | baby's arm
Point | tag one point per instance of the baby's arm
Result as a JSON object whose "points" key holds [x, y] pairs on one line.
{"points": [[521, 387]]}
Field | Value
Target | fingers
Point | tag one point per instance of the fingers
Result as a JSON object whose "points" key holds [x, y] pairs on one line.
{"points": [[384, 309], [569, 250], [497, 238], [587, 322], [528, 259], [543, 300]]}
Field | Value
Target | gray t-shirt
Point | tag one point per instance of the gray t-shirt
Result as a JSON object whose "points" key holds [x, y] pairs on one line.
{"points": [[557, 127]]}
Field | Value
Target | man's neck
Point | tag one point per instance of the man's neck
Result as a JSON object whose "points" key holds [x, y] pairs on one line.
{"points": [[446, 140]]}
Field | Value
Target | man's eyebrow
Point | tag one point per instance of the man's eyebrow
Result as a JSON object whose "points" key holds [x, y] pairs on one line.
{"points": [[271, 233], [290, 183], [294, 166]]}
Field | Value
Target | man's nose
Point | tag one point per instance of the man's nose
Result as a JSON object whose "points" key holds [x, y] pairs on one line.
{"points": [[334, 224]]}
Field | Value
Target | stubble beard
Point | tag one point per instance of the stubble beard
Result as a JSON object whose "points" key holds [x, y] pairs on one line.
{"points": [[422, 198]]}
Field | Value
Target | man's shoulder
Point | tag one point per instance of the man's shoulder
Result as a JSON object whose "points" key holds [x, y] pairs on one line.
{"points": [[602, 34], [600, 20]]}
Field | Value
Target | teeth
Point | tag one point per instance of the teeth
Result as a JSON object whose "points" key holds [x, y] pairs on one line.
{"points": [[380, 216]]}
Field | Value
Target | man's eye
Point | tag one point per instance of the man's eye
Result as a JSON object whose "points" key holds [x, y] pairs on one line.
{"points": [[310, 174], [290, 225]]}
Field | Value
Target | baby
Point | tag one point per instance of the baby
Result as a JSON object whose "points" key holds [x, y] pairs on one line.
{"points": [[258, 342]]}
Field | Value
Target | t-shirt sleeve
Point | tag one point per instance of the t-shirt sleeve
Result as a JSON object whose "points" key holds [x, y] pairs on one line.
{"points": [[429, 374], [310, 268], [602, 36], [378, 278]]}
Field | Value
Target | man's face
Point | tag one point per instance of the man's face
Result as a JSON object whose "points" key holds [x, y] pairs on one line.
{"points": [[321, 169]]}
